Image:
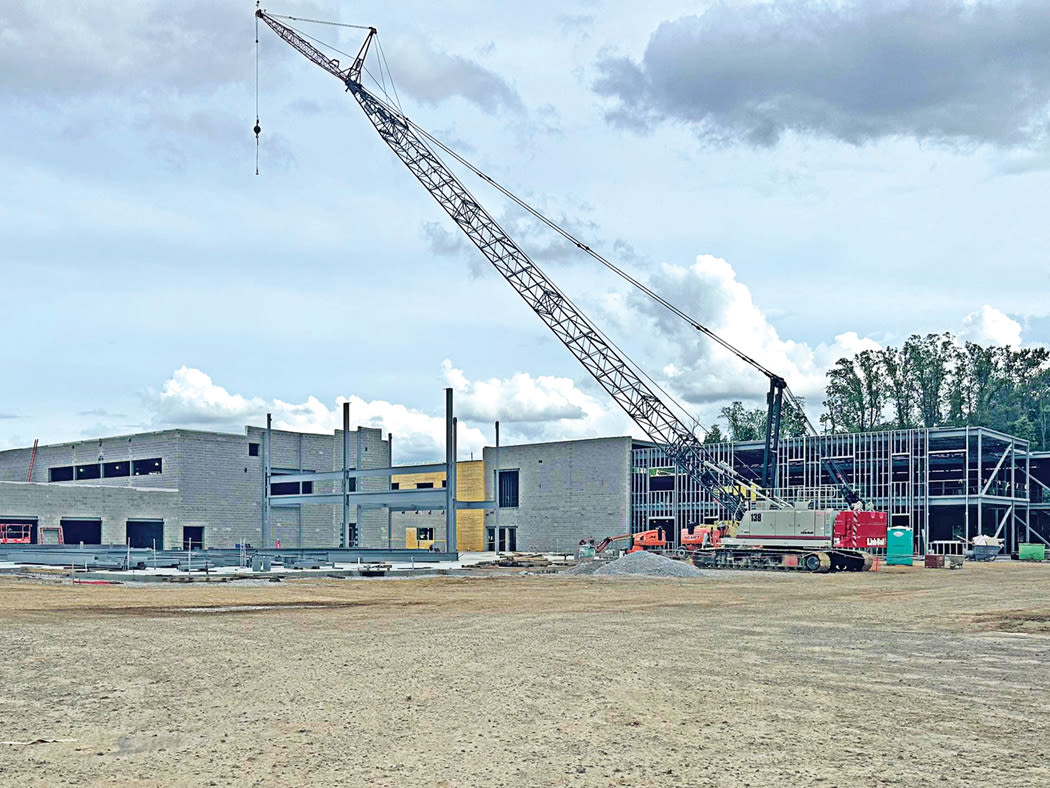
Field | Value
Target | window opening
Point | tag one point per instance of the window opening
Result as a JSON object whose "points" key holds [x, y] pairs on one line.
{"points": [[146, 467], [508, 489]]}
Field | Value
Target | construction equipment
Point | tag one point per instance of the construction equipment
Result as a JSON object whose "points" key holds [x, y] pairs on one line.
{"points": [[16, 533], [22, 533], [653, 539], [627, 384]]}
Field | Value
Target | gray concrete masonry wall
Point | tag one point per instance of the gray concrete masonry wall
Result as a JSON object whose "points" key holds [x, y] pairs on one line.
{"points": [[50, 503], [567, 491], [208, 479]]}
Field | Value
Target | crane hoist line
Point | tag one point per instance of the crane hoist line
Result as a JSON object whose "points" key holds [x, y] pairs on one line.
{"points": [[611, 368]]}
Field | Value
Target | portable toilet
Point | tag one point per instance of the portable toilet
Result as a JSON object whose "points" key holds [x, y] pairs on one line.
{"points": [[899, 549]]}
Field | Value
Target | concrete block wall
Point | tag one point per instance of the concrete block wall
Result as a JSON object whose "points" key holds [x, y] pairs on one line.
{"points": [[209, 480], [220, 487], [368, 449], [568, 491], [50, 503], [15, 462], [295, 451]]}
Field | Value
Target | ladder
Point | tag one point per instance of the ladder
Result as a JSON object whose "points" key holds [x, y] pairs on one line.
{"points": [[32, 460]]}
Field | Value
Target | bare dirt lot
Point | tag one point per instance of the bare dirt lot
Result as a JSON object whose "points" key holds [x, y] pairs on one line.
{"points": [[904, 677]]}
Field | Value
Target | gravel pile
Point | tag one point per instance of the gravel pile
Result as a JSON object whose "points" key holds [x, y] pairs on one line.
{"points": [[586, 567], [648, 565]]}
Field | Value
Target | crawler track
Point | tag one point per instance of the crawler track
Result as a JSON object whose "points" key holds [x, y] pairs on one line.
{"points": [[782, 558]]}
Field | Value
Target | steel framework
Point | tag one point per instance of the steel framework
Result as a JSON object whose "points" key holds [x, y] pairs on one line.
{"points": [[347, 496], [945, 483]]}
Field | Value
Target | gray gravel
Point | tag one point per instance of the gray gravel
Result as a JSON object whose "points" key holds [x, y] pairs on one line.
{"points": [[645, 564], [585, 567]]}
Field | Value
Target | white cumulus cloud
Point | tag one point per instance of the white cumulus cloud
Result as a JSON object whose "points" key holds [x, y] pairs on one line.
{"points": [[989, 326], [704, 374], [549, 408], [191, 399], [519, 398]]}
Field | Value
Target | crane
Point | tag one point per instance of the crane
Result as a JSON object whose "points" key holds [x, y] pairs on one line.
{"points": [[606, 363]]}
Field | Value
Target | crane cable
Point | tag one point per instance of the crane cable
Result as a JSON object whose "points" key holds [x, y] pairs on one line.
{"points": [[792, 398], [596, 255], [257, 128], [683, 412], [394, 106], [605, 262], [528, 208]]}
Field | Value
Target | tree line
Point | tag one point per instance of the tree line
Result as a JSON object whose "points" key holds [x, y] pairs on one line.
{"points": [[929, 381]]}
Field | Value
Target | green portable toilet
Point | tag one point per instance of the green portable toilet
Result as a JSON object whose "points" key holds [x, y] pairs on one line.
{"points": [[899, 549], [1031, 552]]}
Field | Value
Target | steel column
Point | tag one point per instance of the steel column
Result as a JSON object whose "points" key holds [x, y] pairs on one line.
{"points": [[450, 474], [346, 477], [267, 470]]}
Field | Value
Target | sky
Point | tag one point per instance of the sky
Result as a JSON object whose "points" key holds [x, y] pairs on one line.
{"points": [[808, 179]]}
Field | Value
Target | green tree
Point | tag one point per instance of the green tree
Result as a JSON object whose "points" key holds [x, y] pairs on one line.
{"points": [[934, 381], [749, 424], [744, 424], [856, 394], [931, 359], [900, 389]]}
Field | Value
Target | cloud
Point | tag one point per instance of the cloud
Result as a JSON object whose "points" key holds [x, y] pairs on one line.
{"points": [[7, 416], [550, 408], [989, 326], [946, 71], [432, 77], [520, 398], [191, 399], [702, 373], [531, 409], [444, 242], [48, 51]]}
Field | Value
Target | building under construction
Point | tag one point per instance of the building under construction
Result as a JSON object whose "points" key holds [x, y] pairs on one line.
{"points": [[944, 483], [182, 487]]}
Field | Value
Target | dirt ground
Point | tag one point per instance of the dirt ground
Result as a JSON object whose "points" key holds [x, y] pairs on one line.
{"points": [[906, 677]]}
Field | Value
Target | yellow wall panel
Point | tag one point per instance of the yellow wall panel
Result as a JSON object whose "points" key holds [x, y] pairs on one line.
{"points": [[470, 482]]}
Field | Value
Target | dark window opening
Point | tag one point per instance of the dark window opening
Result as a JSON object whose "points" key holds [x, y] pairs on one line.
{"points": [[253, 449], [425, 534], [60, 474], [425, 486], [111, 470], [395, 485], [193, 537], [146, 467], [89, 471], [146, 533], [508, 489], [284, 488], [444, 482], [77, 531], [661, 483], [290, 488], [352, 487]]}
